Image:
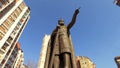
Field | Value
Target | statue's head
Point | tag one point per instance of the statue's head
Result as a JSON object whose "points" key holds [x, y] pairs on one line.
{"points": [[61, 22]]}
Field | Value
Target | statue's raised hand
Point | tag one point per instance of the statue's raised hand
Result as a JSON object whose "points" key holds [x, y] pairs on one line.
{"points": [[73, 19], [77, 11]]}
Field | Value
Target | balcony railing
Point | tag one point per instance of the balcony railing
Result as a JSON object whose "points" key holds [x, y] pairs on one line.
{"points": [[5, 4]]}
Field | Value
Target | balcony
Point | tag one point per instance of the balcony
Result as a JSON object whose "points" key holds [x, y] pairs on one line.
{"points": [[9, 40], [4, 4], [2, 51], [4, 47], [1, 35]]}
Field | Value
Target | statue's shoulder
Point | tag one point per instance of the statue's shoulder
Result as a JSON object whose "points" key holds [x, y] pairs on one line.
{"points": [[62, 26]]}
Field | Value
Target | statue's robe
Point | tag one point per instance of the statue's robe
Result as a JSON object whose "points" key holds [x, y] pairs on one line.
{"points": [[59, 43]]}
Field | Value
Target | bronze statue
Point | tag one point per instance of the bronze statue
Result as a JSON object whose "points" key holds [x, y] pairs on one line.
{"points": [[60, 53]]}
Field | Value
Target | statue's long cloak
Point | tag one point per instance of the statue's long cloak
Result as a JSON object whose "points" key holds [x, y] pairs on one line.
{"points": [[53, 52]]}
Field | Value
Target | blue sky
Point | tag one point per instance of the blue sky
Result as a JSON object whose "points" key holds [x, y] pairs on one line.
{"points": [[96, 33]]}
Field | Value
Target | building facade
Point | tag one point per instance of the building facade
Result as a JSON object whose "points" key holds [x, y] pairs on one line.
{"points": [[14, 15], [43, 52], [117, 60], [84, 62], [16, 58]]}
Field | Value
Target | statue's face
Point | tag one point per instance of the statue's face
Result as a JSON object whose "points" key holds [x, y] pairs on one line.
{"points": [[61, 22]]}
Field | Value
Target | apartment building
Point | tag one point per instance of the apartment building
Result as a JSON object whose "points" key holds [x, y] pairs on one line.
{"points": [[84, 62], [16, 58], [14, 15]]}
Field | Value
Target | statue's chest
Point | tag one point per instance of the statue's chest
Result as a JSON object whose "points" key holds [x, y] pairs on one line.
{"points": [[62, 30]]}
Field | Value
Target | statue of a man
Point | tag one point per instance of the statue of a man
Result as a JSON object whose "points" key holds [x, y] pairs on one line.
{"points": [[60, 47]]}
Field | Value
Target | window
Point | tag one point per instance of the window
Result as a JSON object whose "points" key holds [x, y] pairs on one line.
{"points": [[9, 39], [10, 20], [2, 2], [14, 16], [13, 32], [5, 46], [3, 61], [16, 29], [1, 35], [6, 65], [5, 29], [8, 52], [21, 20], [8, 1], [16, 13], [1, 5], [18, 10], [19, 24], [28, 10], [6, 24], [22, 5], [2, 29], [24, 16], [5, 2]]}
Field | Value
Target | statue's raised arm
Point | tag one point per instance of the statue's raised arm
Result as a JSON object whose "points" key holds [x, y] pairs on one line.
{"points": [[73, 19]]}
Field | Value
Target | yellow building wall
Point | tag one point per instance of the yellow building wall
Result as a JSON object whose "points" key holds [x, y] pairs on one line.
{"points": [[84, 62]]}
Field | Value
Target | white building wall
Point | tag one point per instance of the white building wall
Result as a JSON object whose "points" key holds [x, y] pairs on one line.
{"points": [[19, 58], [2, 41], [41, 62], [3, 7], [17, 31]]}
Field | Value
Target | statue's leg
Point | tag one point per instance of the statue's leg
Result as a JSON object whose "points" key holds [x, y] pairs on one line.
{"points": [[66, 58], [56, 61]]}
